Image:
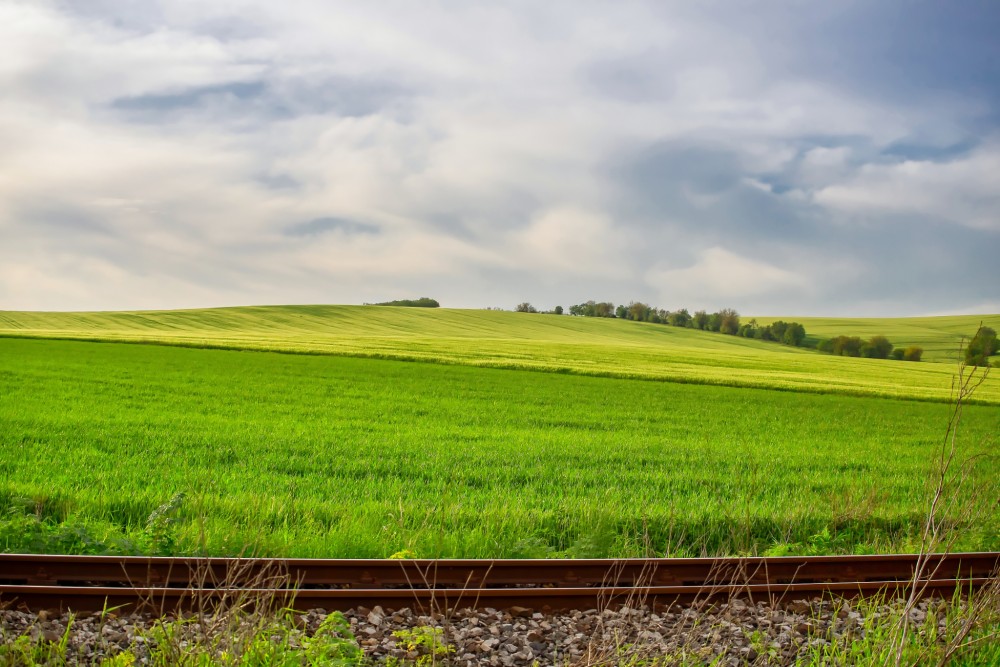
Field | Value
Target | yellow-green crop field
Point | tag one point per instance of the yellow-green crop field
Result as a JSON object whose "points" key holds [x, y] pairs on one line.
{"points": [[336, 453], [589, 346]]}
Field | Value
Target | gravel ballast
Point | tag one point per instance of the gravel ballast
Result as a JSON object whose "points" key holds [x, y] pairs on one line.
{"points": [[736, 632]]}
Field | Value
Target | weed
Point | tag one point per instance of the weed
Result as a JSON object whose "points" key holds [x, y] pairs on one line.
{"points": [[160, 526], [425, 643]]}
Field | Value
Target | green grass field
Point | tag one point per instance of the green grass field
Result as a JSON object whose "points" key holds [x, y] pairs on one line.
{"points": [[342, 457], [610, 348]]}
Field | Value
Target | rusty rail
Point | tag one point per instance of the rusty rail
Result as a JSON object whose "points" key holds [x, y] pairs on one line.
{"points": [[164, 584]]}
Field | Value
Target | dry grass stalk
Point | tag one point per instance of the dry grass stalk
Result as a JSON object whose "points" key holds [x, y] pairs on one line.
{"points": [[949, 506]]}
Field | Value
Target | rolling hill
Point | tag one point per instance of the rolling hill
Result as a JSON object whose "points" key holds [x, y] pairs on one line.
{"points": [[611, 348]]}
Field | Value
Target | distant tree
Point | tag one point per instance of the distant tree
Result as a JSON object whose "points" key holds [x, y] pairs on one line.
{"points": [[846, 346], [525, 308], [621, 312], [714, 322], [878, 347], [423, 302], [592, 309], [680, 318], [912, 353], [747, 330], [897, 353], [729, 322], [765, 332], [639, 311], [558, 310], [699, 320], [794, 334], [983, 345], [778, 330]]}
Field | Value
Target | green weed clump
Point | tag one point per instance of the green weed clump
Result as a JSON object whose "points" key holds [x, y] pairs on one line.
{"points": [[230, 639], [426, 644], [964, 632], [291, 455]]}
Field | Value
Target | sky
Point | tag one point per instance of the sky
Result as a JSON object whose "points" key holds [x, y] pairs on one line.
{"points": [[779, 158]]}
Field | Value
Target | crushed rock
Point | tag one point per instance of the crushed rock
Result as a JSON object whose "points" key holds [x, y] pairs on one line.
{"points": [[736, 632]]}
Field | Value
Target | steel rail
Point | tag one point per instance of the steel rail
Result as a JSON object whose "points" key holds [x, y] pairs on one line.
{"points": [[377, 573], [168, 600], [92, 582]]}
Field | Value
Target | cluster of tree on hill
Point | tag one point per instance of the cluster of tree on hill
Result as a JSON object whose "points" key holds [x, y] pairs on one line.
{"points": [[877, 347], [725, 321], [422, 302], [982, 346], [788, 333], [593, 309], [528, 308]]}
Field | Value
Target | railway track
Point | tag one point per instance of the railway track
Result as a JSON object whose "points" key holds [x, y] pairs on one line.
{"points": [[159, 585]]}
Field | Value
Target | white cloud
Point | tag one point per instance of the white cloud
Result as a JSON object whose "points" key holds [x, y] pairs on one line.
{"points": [[720, 274], [571, 241], [963, 190]]}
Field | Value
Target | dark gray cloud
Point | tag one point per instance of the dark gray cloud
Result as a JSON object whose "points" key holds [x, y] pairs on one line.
{"points": [[239, 91], [907, 150], [277, 181], [267, 100], [634, 79], [318, 226], [710, 190]]}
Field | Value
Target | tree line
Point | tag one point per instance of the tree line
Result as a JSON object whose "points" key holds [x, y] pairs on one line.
{"points": [[422, 302], [877, 347], [727, 321]]}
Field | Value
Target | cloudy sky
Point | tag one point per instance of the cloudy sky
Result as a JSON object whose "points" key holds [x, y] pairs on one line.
{"points": [[787, 158]]}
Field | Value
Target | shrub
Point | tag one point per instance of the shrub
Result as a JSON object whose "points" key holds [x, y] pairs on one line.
{"points": [[897, 354], [912, 353], [525, 308], [846, 346], [878, 347], [794, 334], [983, 345]]}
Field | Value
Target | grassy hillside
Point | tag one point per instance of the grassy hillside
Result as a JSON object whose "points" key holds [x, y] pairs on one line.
{"points": [[612, 348], [339, 457]]}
